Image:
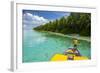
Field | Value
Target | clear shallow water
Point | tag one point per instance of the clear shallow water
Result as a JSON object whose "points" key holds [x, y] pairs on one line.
{"points": [[41, 46]]}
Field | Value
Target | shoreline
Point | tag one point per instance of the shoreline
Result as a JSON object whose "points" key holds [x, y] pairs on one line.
{"points": [[88, 39]]}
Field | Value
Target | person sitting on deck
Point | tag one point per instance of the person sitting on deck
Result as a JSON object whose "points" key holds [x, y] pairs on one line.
{"points": [[75, 50], [71, 52], [75, 43]]}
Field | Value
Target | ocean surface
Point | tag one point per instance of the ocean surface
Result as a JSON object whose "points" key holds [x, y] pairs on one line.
{"points": [[41, 46]]}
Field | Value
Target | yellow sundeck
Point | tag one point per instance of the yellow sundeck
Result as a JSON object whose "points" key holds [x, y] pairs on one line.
{"points": [[61, 57], [80, 58]]}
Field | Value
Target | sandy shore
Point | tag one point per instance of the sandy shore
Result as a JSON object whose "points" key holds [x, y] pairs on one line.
{"points": [[88, 39]]}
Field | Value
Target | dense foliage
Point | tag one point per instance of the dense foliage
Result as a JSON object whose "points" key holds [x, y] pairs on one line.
{"points": [[75, 23]]}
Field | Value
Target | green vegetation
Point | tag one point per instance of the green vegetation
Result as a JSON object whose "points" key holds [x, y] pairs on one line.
{"points": [[75, 23]]}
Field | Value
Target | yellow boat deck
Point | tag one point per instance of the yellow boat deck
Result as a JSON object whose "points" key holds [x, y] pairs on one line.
{"points": [[61, 57]]}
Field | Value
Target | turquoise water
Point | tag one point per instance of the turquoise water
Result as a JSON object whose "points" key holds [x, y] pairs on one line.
{"points": [[41, 46]]}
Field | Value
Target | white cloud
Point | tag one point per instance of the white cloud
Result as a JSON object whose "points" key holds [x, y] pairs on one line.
{"points": [[33, 20]]}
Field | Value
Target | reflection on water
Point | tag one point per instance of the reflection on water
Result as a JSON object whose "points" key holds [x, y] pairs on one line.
{"points": [[41, 46]]}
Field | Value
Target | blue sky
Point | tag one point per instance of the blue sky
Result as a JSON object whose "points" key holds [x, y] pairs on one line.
{"points": [[33, 18]]}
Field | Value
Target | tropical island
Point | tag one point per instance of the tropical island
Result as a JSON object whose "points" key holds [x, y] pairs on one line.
{"points": [[75, 23], [56, 36]]}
